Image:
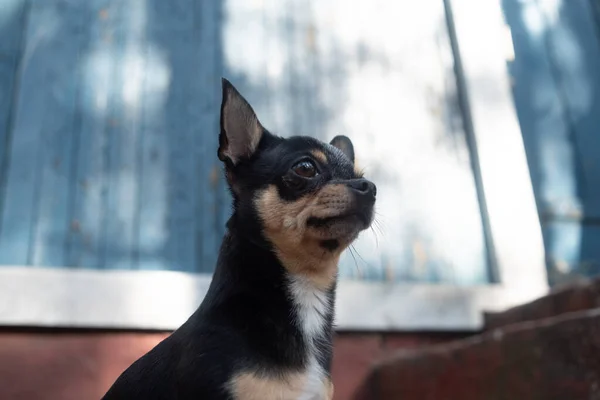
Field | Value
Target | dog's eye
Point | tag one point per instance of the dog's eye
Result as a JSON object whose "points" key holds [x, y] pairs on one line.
{"points": [[305, 169]]}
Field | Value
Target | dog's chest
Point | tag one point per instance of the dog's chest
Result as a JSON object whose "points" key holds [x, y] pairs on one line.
{"points": [[311, 305], [311, 309]]}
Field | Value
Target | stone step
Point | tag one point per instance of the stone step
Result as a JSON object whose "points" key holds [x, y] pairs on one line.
{"points": [[553, 358]]}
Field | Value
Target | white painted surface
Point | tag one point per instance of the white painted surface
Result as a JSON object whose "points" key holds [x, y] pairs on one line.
{"points": [[59, 297], [511, 204]]}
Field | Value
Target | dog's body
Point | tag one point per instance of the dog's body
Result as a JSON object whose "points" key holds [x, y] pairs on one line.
{"points": [[264, 330]]}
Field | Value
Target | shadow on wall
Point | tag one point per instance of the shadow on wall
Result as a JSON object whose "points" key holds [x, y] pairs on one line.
{"points": [[556, 88]]}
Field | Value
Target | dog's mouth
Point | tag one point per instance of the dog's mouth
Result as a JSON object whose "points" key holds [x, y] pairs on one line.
{"points": [[315, 222], [360, 215], [343, 227]]}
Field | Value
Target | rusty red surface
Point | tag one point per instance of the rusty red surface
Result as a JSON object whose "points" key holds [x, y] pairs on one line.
{"points": [[59, 365], [554, 358]]}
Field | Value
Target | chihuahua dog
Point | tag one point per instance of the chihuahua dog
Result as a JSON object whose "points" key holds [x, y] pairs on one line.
{"points": [[264, 330]]}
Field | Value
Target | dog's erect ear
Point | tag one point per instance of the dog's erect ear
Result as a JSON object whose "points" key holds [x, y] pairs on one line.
{"points": [[345, 145], [240, 129]]}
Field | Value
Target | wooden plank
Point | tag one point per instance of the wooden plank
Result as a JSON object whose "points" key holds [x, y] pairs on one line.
{"points": [[296, 82], [313, 100], [557, 54], [213, 207], [51, 231], [85, 246], [36, 206], [152, 230], [169, 175], [304, 94], [182, 110], [328, 74], [596, 7], [176, 15], [589, 260], [555, 88], [574, 50], [541, 111], [12, 25], [8, 71], [12, 19], [273, 94], [572, 250], [124, 129]]}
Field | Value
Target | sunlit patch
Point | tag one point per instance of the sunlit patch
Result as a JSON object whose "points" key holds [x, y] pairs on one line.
{"points": [[551, 10], [533, 19]]}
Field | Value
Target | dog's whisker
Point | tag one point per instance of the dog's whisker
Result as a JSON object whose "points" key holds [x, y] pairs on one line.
{"points": [[377, 224], [378, 227], [354, 257], [361, 257], [375, 236]]}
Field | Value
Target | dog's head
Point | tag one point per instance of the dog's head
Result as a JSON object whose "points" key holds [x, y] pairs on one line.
{"points": [[303, 197]]}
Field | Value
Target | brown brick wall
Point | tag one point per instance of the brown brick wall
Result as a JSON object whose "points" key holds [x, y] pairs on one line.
{"points": [[81, 365]]}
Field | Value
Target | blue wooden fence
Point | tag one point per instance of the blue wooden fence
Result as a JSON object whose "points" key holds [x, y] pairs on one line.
{"points": [[108, 134], [109, 121]]}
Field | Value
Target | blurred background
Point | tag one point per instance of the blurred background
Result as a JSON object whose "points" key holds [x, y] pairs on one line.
{"points": [[479, 120]]}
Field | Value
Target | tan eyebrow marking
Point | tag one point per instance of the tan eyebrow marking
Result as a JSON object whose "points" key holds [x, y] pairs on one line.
{"points": [[319, 155], [358, 170]]}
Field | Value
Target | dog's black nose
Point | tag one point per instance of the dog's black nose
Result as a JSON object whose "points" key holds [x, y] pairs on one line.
{"points": [[363, 187]]}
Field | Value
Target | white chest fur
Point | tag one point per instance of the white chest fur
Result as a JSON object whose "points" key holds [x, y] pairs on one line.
{"points": [[311, 306]]}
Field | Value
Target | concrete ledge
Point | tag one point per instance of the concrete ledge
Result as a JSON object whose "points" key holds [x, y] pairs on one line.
{"points": [[163, 300]]}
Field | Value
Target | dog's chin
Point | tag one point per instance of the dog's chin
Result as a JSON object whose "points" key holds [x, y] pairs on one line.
{"points": [[337, 232]]}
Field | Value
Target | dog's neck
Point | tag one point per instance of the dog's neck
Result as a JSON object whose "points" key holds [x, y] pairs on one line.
{"points": [[301, 315], [245, 254]]}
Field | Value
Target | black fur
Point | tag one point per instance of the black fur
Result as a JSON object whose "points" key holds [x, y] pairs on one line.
{"points": [[246, 321]]}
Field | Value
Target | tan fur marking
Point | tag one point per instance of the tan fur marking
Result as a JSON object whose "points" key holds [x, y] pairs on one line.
{"points": [[285, 226], [252, 386], [319, 155], [358, 171]]}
